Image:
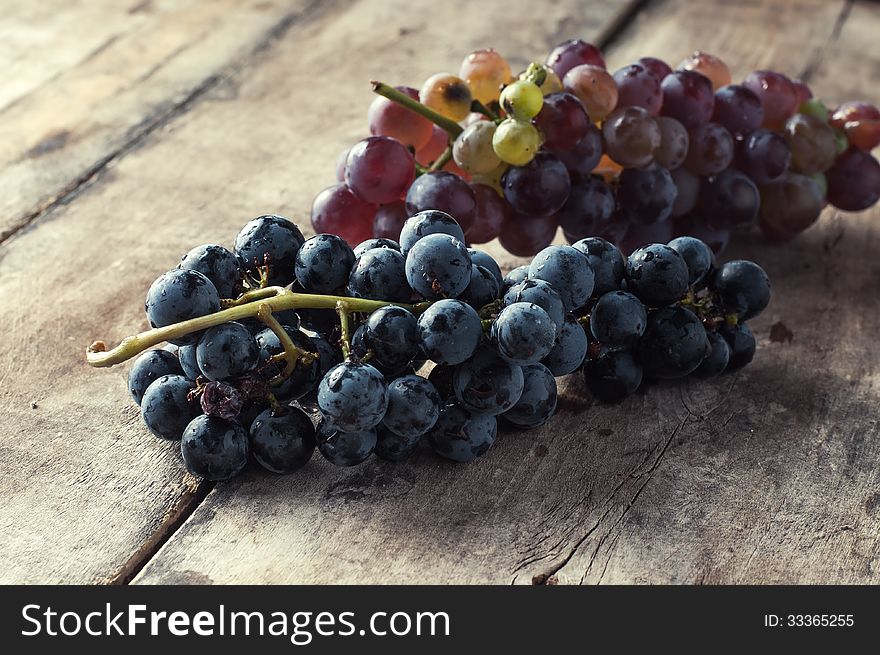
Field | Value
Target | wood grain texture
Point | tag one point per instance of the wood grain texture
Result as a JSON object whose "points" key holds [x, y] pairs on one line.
{"points": [[766, 476], [87, 490], [88, 80]]}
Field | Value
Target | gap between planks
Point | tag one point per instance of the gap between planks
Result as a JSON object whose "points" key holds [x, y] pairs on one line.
{"points": [[151, 124]]}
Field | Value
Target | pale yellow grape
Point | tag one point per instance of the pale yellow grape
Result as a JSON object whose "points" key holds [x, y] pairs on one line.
{"points": [[522, 100], [485, 72], [447, 95], [516, 142], [473, 150], [492, 178], [551, 84]]}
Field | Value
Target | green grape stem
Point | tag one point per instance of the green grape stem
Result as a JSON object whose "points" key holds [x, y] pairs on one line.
{"points": [[452, 128], [274, 299], [441, 161]]}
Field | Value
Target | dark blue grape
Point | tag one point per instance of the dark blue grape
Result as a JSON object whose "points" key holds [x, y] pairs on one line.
{"points": [[460, 435], [482, 290], [380, 274], [568, 271], [523, 333], [674, 343], [606, 262], [716, 361], [487, 384], [188, 361], [217, 264], [646, 195], [430, 221], [166, 406], [657, 275], [730, 200], [569, 350], [345, 448], [542, 294], [353, 396], [271, 241], [323, 263], [698, 257], [537, 403], [590, 209], [413, 406], [392, 333], [743, 288], [618, 319], [484, 259], [304, 377], [147, 368], [514, 277], [370, 244], [214, 448], [438, 266], [638, 236], [742, 345], [612, 375], [227, 351], [392, 447], [250, 411], [358, 343], [282, 441], [179, 295], [449, 331]]}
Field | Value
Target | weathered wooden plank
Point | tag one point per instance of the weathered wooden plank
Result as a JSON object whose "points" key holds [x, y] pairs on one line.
{"points": [[88, 492], [762, 477], [113, 73]]}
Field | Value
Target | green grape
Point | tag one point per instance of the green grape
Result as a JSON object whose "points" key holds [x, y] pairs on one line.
{"points": [[812, 143], [814, 107], [516, 142], [473, 149], [522, 100], [492, 178]]}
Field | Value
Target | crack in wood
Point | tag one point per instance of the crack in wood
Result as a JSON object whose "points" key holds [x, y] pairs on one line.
{"points": [[819, 53], [162, 118]]}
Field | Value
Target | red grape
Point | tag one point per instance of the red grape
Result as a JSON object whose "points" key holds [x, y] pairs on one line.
{"points": [[657, 67], [389, 220], [803, 91], [337, 210], [646, 195], [434, 148], [638, 87], [778, 96], [583, 157], [791, 205], [526, 236], [738, 109], [687, 186], [861, 123], [853, 181], [764, 156], [730, 200], [387, 118], [340, 165], [539, 188], [708, 65], [573, 53], [379, 169], [688, 98], [638, 236], [589, 210], [674, 142], [491, 210], [631, 136], [710, 150], [444, 191], [594, 87], [562, 120]]}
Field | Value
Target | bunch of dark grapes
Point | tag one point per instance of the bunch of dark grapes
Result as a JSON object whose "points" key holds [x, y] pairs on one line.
{"points": [[635, 156], [451, 351]]}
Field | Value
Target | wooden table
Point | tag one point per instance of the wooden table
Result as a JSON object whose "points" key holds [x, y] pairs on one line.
{"points": [[129, 134]]}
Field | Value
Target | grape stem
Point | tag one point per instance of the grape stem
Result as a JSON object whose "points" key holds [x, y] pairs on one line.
{"points": [[441, 161], [291, 355], [276, 299], [452, 128], [342, 308]]}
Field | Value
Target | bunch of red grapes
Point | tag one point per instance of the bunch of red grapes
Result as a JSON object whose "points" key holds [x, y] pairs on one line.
{"points": [[638, 156]]}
